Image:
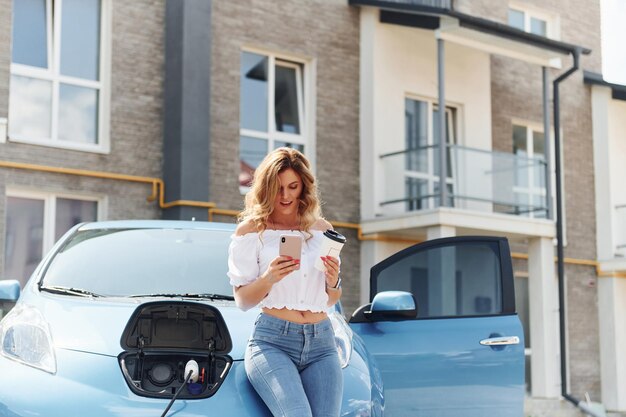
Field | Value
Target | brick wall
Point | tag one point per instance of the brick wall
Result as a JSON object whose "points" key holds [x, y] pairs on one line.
{"points": [[327, 34]]}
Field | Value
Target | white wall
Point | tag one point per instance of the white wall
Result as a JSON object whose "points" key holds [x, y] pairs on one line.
{"points": [[405, 64], [617, 156], [609, 141], [600, 99], [612, 310]]}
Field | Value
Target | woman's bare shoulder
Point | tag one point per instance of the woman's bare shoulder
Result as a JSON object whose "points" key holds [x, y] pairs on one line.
{"points": [[245, 227], [321, 224]]}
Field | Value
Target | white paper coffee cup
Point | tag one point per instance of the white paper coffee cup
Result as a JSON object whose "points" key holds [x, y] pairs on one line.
{"points": [[331, 246]]}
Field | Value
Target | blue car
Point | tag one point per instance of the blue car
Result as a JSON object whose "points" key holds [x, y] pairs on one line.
{"points": [[115, 312]]}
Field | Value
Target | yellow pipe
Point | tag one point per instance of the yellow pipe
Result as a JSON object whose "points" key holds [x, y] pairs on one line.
{"points": [[609, 274], [158, 186], [222, 212], [187, 203], [583, 262]]}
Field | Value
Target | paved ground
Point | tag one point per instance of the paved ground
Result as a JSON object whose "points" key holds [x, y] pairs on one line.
{"points": [[534, 407]]}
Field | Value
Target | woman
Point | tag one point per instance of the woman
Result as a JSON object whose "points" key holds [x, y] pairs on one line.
{"points": [[291, 358]]}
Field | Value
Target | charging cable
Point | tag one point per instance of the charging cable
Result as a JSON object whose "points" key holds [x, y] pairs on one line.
{"points": [[191, 370]]}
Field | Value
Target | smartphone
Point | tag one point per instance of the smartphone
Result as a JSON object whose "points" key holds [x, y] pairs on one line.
{"points": [[290, 245]]}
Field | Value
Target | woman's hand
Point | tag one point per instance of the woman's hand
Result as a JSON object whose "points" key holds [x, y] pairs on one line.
{"points": [[332, 270], [279, 268]]}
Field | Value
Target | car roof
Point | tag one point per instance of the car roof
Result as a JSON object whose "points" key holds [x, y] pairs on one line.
{"points": [[158, 224]]}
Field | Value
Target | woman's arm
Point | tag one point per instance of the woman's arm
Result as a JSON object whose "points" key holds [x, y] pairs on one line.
{"points": [[248, 296], [332, 268], [333, 295], [332, 279]]}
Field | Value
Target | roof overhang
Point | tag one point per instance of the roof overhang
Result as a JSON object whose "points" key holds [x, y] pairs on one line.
{"points": [[479, 33], [454, 30], [618, 91]]}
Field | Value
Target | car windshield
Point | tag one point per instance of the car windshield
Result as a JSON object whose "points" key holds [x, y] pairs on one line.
{"points": [[142, 261]]}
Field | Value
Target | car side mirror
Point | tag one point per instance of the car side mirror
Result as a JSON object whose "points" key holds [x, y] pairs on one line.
{"points": [[392, 305], [9, 290]]}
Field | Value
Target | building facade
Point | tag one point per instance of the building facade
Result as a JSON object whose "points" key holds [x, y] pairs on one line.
{"points": [[105, 118]]}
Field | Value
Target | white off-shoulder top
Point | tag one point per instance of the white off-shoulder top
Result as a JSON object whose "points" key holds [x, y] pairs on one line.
{"points": [[304, 289]]}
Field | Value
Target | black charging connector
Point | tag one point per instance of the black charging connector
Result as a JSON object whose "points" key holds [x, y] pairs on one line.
{"points": [[176, 395]]}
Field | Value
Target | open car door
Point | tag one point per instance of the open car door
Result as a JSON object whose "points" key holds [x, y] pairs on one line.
{"points": [[443, 330]]}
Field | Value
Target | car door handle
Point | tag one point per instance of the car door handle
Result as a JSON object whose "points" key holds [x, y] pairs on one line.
{"points": [[499, 341]]}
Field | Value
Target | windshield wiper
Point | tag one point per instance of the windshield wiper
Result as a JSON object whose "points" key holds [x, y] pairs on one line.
{"points": [[70, 291], [205, 296]]}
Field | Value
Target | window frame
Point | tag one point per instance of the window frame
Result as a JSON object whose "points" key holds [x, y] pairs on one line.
{"points": [[539, 128], [552, 20], [49, 199], [452, 123], [303, 70], [53, 74], [507, 284], [531, 190]]}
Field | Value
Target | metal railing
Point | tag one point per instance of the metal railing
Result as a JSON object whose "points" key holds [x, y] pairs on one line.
{"points": [[620, 230], [477, 179]]}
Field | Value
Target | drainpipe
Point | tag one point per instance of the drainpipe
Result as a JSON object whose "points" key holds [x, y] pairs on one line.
{"points": [[559, 236], [441, 120]]}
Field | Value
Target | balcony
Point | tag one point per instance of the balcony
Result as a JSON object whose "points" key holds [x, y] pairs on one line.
{"points": [[487, 191], [477, 180]]}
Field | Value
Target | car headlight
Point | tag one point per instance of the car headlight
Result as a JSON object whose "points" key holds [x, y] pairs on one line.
{"points": [[25, 338], [343, 338]]}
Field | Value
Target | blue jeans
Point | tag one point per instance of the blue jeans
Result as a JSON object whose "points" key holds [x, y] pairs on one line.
{"points": [[295, 367]]}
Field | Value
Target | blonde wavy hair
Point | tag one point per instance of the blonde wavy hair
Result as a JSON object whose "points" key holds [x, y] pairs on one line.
{"points": [[259, 201]]}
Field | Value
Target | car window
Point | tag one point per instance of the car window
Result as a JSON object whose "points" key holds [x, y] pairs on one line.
{"points": [[124, 262], [449, 280]]}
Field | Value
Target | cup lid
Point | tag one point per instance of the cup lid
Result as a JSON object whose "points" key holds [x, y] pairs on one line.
{"points": [[337, 237]]}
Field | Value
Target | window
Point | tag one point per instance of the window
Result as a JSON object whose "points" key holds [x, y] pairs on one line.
{"points": [[530, 21], [529, 187], [34, 221], [422, 153], [272, 110], [58, 75], [189, 254], [461, 279]]}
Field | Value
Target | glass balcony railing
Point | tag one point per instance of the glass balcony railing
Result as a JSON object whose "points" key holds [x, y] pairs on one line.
{"points": [[620, 230], [476, 180]]}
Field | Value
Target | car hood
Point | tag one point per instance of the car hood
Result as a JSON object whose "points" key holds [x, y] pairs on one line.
{"points": [[95, 325]]}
